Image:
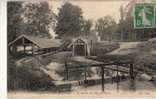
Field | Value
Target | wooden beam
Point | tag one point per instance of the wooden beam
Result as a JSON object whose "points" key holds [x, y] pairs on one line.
{"points": [[91, 48], [24, 49], [106, 67], [131, 71], [73, 52], [66, 68], [103, 78], [23, 40], [85, 75], [32, 49], [132, 77], [23, 43], [85, 45], [117, 78]]}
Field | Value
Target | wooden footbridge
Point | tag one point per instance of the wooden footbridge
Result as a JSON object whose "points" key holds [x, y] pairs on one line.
{"points": [[77, 63], [83, 64]]}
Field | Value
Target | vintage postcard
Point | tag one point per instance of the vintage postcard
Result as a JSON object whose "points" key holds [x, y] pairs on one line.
{"points": [[81, 49]]}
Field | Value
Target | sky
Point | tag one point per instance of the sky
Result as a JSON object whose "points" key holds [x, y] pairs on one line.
{"points": [[94, 9]]}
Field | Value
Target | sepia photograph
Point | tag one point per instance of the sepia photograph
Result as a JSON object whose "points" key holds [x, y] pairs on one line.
{"points": [[81, 48]]}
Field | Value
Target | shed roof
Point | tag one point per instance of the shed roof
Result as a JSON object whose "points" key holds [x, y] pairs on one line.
{"points": [[85, 40], [40, 42], [78, 38]]}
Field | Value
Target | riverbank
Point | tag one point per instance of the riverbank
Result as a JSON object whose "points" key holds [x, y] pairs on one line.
{"points": [[142, 89]]}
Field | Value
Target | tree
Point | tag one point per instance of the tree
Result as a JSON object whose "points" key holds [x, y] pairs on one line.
{"points": [[38, 18], [105, 27], [128, 33], [14, 20], [86, 28], [69, 21], [125, 28]]}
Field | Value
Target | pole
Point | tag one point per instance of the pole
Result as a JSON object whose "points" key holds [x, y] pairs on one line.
{"points": [[103, 78], [91, 46], [32, 49], [131, 71], [23, 42], [33, 53], [73, 52], [117, 78], [143, 37], [67, 75], [24, 49], [132, 78], [85, 76]]}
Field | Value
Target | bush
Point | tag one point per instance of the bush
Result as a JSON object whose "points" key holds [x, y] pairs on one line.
{"points": [[145, 58], [26, 76], [103, 48]]}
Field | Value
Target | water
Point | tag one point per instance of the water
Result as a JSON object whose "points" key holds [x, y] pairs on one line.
{"points": [[123, 86], [95, 91]]}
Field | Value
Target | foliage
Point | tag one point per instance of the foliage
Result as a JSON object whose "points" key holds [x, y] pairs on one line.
{"points": [[38, 18], [32, 19], [128, 33], [125, 28], [11, 73], [99, 49], [26, 76], [14, 20], [69, 21], [86, 28], [106, 27], [33, 78], [146, 56], [29, 18]]}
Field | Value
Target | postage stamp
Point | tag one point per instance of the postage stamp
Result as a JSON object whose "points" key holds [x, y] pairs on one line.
{"points": [[144, 16]]}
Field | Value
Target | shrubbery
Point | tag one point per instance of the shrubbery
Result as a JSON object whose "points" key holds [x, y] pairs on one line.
{"points": [[26, 76], [145, 58], [103, 48]]}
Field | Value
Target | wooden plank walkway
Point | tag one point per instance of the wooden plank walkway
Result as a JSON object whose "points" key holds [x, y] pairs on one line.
{"points": [[79, 82], [82, 62]]}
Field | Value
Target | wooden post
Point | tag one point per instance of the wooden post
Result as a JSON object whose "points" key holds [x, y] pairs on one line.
{"points": [[91, 45], [112, 77], [73, 53], [103, 78], [117, 78], [13, 49], [24, 49], [16, 49], [131, 71], [132, 78], [67, 74], [85, 49], [23, 43], [32, 49], [85, 81], [66, 67], [9, 49]]}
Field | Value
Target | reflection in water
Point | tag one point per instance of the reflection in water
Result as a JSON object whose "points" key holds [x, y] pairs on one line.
{"points": [[132, 84], [128, 85]]}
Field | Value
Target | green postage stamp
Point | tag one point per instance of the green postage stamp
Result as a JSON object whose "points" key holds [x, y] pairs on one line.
{"points": [[144, 15]]}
